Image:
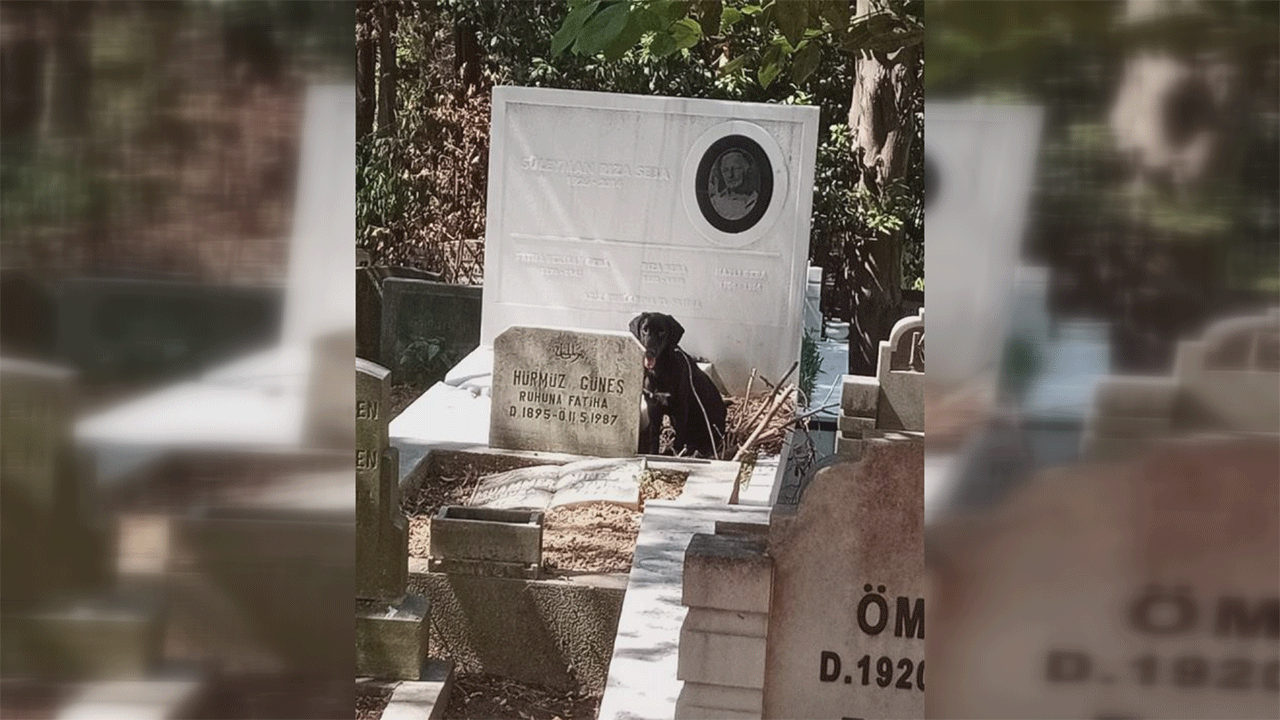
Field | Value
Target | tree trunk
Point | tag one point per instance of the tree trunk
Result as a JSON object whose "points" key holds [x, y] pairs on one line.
{"points": [[68, 92], [386, 68], [22, 69], [883, 124], [466, 58], [366, 90]]}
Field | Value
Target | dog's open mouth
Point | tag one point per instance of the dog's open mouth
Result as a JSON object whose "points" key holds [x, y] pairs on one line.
{"points": [[649, 362]]}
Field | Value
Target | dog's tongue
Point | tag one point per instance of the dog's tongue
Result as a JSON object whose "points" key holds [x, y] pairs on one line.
{"points": [[648, 362]]}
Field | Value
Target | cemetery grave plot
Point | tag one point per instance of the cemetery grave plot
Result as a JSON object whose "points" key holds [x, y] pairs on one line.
{"points": [[402, 396], [592, 537]]}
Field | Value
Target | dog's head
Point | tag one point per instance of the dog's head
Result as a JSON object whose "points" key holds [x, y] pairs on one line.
{"points": [[658, 334]]}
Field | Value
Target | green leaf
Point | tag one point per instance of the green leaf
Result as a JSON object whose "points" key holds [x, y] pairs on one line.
{"points": [[649, 21], [768, 72], [752, 10], [669, 12], [733, 65], [662, 44], [637, 25], [728, 18], [881, 32], [572, 25], [805, 62], [792, 17], [602, 29], [686, 33], [770, 65]]}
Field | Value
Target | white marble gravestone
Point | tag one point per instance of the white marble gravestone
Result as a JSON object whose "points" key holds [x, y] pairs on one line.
{"points": [[559, 390], [983, 158], [602, 206]]}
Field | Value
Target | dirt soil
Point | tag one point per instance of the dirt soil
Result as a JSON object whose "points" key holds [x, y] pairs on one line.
{"points": [[491, 697], [274, 696], [403, 395], [371, 700], [593, 537]]}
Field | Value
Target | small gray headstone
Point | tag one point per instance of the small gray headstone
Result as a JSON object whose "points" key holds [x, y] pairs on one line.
{"points": [[427, 327], [846, 619], [566, 391], [49, 541], [382, 534]]}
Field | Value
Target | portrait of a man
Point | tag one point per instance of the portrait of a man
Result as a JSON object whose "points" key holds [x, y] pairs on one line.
{"points": [[734, 184]]}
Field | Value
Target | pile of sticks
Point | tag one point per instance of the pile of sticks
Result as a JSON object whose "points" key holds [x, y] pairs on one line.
{"points": [[759, 425]]}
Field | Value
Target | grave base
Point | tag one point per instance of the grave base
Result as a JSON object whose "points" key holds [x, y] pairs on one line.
{"points": [[484, 568], [558, 633], [717, 702], [101, 638], [391, 638], [423, 699]]}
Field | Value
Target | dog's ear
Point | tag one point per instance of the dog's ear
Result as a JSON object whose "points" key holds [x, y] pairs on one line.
{"points": [[635, 324], [677, 331]]}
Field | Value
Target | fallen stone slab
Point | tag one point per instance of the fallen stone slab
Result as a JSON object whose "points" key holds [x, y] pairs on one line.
{"points": [[549, 486]]}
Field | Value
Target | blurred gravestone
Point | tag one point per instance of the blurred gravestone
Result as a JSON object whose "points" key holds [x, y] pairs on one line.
{"points": [[1224, 380], [981, 162], [1146, 588], [118, 329], [60, 617]]}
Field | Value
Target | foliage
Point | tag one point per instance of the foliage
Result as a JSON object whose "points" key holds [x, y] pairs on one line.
{"points": [[431, 190], [810, 364], [1021, 364], [798, 32], [783, 43], [1070, 58]]}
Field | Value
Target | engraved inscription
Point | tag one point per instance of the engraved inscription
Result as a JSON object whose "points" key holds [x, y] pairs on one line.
{"points": [[366, 410], [654, 273], [649, 300], [366, 459], [587, 173], [741, 286], [587, 392], [736, 273], [555, 259]]}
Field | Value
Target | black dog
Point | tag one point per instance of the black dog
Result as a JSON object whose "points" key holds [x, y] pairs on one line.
{"points": [[675, 386]]}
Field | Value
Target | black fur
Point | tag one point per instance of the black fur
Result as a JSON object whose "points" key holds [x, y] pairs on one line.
{"points": [[673, 386]]}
